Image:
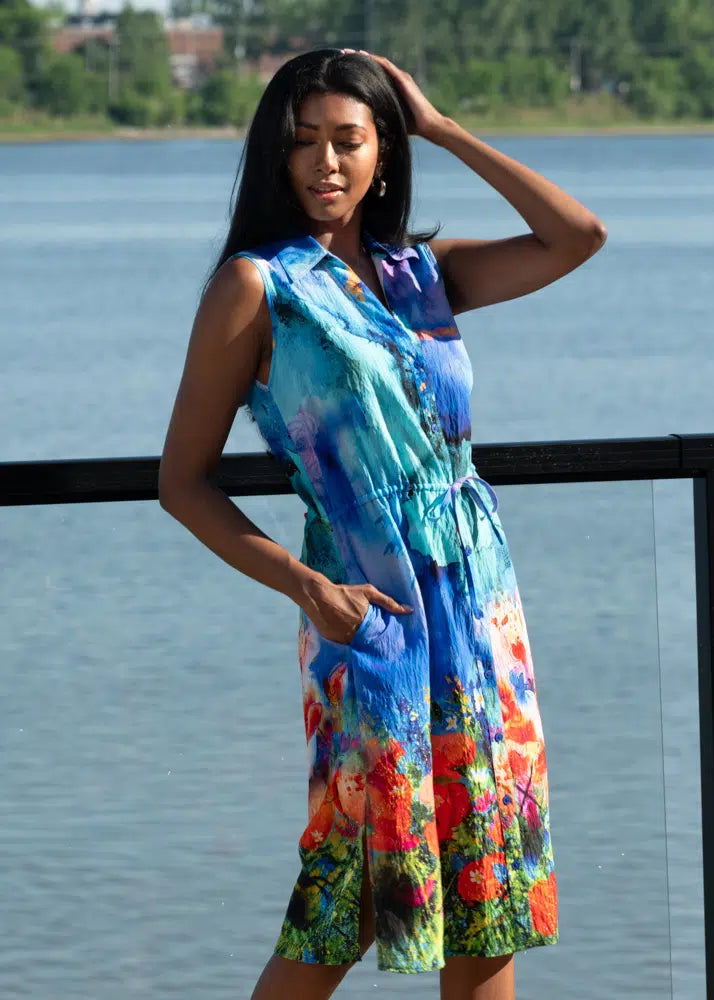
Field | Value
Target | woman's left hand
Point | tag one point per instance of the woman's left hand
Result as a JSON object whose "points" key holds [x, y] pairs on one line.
{"points": [[427, 120]]}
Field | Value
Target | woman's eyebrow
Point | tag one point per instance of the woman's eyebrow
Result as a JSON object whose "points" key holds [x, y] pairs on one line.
{"points": [[339, 127]]}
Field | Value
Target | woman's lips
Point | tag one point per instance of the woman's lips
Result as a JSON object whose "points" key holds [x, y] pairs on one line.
{"points": [[326, 195]]}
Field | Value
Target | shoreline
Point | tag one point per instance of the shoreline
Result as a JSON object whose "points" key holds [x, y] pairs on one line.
{"points": [[230, 132]]}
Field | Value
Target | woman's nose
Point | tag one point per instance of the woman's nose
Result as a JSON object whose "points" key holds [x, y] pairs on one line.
{"points": [[326, 156]]}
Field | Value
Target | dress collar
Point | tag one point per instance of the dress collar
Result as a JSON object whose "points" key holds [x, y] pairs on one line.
{"points": [[302, 254]]}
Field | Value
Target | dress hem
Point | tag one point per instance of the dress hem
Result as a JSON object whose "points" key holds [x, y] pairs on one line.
{"points": [[524, 946]]}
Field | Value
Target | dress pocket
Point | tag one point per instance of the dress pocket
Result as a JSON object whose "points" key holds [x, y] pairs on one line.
{"points": [[361, 629]]}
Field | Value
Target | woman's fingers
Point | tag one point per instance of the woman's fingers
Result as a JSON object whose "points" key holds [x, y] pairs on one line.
{"points": [[389, 603]]}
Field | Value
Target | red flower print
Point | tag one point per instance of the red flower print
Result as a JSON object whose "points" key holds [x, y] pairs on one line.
{"points": [[391, 815], [495, 830], [431, 836], [375, 753], [334, 685], [452, 807], [519, 650], [450, 751], [509, 706], [313, 713], [477, 881], [543, 899], [390, 797], [521, 730], [319, 826], [350, 786]]}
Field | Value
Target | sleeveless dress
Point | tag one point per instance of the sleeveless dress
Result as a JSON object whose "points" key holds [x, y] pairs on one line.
{"points": [[423, 732]]}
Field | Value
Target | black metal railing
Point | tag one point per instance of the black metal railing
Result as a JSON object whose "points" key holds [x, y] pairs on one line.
{"points": [[676, 456]]}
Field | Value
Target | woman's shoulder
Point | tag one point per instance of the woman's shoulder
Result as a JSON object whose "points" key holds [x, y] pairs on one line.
{"points": [[285, 258], [265, 251]]}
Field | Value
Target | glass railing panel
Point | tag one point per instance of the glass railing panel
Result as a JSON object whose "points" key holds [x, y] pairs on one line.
{"points": [[156, 770], [676, 589], [585, 561]]}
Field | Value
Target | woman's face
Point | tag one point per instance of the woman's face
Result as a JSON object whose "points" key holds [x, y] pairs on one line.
{"points": [[335, 146]]}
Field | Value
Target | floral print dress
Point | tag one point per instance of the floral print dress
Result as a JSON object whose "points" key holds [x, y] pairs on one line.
{"points": [[424, 737]]}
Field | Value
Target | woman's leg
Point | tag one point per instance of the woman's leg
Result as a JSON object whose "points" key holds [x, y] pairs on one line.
{"points": [[283, 977], [467, 978]]}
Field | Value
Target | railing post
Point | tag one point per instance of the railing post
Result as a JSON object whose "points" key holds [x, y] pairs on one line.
{"points": [[703, 496]]}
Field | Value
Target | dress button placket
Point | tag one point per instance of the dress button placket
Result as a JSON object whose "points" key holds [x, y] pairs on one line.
{"points": [[428, 401]]}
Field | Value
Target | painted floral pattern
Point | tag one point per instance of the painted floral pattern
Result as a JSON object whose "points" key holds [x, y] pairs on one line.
{"points": [[424, 738]]}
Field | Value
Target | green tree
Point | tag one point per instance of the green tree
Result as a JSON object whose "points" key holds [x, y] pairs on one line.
{"points": [[466, 54], [12, 79], [667, 27], [61, 86], [143, 60], [698, 73], [23, 28], [95, 55], [656, 87], [143, 92], [228, 99], [477, 86], [533, 81], [135, 109]]}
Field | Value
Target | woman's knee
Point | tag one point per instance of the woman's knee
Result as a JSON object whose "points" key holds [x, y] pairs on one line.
{"points": [[473, 977]]}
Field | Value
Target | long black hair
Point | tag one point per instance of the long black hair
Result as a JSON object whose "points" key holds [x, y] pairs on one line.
{"points": [[266, 208]]}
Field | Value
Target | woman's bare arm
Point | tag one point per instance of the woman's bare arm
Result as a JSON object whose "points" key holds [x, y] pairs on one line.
{"points": [[221, 363]]}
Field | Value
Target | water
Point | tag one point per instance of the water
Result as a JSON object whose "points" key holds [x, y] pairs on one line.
{"points": [[153, 743]]}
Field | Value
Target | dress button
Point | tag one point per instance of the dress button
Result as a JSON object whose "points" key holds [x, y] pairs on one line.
{"points": [[506, 800], [498, 737]]}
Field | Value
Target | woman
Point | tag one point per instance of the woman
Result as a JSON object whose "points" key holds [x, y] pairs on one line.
{"points": [[428, 825]]}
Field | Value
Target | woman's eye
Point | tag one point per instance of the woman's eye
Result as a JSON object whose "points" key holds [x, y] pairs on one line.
{"points": [[347, 145]]}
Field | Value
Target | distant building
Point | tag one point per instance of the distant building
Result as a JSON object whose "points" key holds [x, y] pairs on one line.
{"points": [[195, 43], [195, 46], [80, 27], [265, 65]]}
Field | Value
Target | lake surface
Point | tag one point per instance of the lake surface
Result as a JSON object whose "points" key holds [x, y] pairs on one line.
{"points": [[154, 759]]}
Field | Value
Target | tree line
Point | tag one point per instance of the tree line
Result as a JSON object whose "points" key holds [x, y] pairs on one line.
{"points": [[655, 57]]}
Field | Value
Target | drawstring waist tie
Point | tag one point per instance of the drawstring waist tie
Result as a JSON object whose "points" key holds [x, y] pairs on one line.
{"points": [[450, 496], [447, 498]]}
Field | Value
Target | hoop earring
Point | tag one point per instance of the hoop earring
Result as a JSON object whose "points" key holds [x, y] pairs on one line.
{"points": [[382, 187]]}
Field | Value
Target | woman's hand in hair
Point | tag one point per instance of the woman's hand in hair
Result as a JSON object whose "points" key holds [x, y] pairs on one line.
{"points": [[426, 120]]}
